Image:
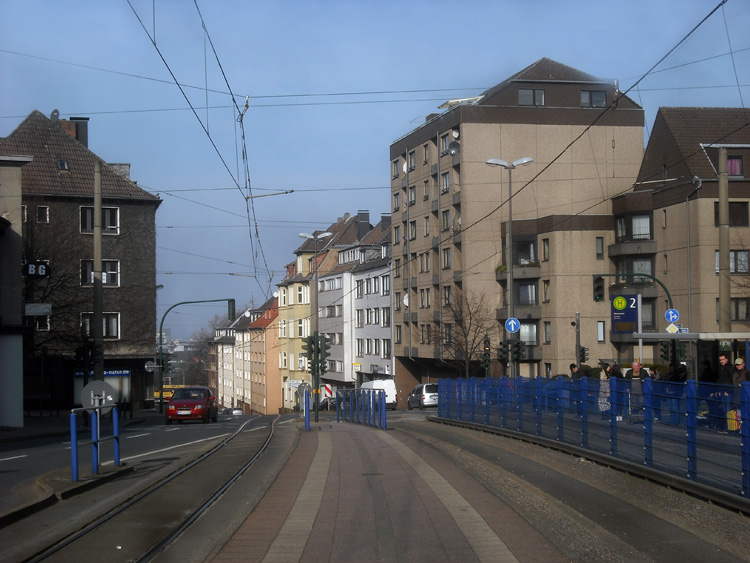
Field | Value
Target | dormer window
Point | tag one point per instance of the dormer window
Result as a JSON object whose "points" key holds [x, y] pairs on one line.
{"points": [[62, 165], [529, 97], [593, 99]]}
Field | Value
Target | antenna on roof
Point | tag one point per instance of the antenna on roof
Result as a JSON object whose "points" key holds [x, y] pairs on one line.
{"points": [[54, 116]]}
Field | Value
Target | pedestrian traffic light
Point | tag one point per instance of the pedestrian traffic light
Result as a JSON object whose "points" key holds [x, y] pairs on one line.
{"points": [[583, 355], [517, 350], [665, 351], [598, 288], [502, 352]]}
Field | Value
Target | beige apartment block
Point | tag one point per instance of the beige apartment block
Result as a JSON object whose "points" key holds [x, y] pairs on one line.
{"points": [[451, 218]]}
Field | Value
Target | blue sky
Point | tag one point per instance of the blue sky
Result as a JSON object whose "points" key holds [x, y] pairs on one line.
{"points": [[331, 84]]}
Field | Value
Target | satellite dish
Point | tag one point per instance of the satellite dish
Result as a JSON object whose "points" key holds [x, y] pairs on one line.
{"points": [[454, 148], [54, 116], [275, 293], [406, 300], [247, 313], [455, 133], [404, 167]]}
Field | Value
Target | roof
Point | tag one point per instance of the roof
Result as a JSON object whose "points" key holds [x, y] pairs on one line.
{"points": [[682, 136], [44, 139]]}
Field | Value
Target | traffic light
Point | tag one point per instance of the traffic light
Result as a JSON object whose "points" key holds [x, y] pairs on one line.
{"points": [[517, 350], [324, 350], [583, 356], [308, 348], [97, 352], [167, 360], [486, 359], [665, 352], [502, 352], [598, 288]]}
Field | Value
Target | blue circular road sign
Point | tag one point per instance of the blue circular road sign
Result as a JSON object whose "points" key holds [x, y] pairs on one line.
{"points": [[512, 325]]}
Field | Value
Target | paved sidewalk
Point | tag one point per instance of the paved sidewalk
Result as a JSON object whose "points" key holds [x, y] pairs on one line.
{"points": [[353, 493]]}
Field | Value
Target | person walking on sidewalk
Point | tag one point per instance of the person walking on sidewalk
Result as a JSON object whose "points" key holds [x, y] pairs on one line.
{"points": [[721, 400]]}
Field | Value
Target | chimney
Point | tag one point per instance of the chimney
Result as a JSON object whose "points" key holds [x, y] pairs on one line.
{"points": [[82, 130], [385, 221], [363, 224]]}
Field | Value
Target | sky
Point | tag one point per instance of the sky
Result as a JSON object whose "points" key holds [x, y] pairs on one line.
{"points": [[329, 86]]}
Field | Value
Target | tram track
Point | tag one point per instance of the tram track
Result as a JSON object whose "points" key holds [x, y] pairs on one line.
{"points": [[139, 528]]}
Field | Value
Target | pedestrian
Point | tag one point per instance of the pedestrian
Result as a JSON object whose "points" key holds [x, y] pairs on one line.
{"points": [[722, 395], [617, 384], [575, 373], [635, 376], [603, 400], [741, 375]]}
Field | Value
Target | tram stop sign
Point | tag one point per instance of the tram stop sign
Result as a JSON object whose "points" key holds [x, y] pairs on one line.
{"points": [[99, 394]]}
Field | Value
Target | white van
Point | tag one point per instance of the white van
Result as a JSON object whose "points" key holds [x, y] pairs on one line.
{"points": [[387, 385]]}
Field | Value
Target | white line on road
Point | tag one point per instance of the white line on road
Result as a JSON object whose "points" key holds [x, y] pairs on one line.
{"points": [[14, 457], [139, 435], [166, 449]]}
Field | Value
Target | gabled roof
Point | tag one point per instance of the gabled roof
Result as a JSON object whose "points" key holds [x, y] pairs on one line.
{"points": [[39, 137], [683, 136], [544, 70]]}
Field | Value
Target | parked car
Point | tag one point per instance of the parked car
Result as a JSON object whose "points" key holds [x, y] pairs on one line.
{"points": [[192, 403], [387, 385], [423, 395], [327, 404], [237, 412]]}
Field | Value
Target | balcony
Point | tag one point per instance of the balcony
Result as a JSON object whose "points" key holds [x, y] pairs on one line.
{"points": [[525, 271], [522, 312], [632, 248], [456, 200]]}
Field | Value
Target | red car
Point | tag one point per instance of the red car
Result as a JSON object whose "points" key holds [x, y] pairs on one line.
{"points": [[192, 403]]}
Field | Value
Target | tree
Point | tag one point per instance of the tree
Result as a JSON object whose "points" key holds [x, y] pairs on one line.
{"points": [[471, 317]]}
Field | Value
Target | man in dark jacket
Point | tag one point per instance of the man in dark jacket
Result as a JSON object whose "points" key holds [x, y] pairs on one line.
{"points": [[722, 394]]}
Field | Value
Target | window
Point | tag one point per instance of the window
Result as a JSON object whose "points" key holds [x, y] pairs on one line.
{"points": [[360, 318], [360, 347], [446, 220], [444, 142], [423, 334], [300, 328], [397, 201], [385, 317], [426, 223], [641, 227], [545, 250], [42, 214], [446, 258], [545, 291], [376, 284], [396, 234], [734, 166], [593, 99], [425, 299], [412, 160], [385, 285], [445, 182], [547, 332], [397, 334], [528, 333], [376, 347], [600, 248], [412, 230], [600, 331], [301, 362], [412, 195], [529, 97], [448, 334], [447, 295], [62, 165], [737, 214], [360, 286], [368, 346], [738, 261], [282, 329], [110, 272], [283, 297], [527, 294], [425, 153], [386, 348], [397, 268], [525, 253], [394, 169], [23, 214], [426, 193], [41, 324], [301, 297], [397, 301], [739, 309], [110, 324], [110, 220], [368, 286]]}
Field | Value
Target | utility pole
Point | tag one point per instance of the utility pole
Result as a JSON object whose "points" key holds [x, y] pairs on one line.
{"points": [[725, 318], [578, 340], [97, 328]]}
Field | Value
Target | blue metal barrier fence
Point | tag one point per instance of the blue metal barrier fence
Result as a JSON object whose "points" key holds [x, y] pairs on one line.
{"points": [[96, 438], [691, 430], [362, 406]]}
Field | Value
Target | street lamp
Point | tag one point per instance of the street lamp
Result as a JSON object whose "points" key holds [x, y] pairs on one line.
{"points": [[314, 304], [509, 166]]}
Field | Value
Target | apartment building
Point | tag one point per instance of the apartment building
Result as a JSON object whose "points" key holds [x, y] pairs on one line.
{"points": [[577, 142], [57, 214]]}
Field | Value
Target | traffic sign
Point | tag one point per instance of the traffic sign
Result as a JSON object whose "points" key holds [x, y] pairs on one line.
{"points": [[99, 394], [672, 329], [672, 315], [512, 325], [150, 366], [624, 314]]}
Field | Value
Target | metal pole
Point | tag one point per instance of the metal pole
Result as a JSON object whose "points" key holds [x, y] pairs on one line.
{"points": [[97, 330], [578, 340], [725, 318], [511, 308]]}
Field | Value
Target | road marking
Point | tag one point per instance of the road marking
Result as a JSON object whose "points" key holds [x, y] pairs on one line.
{"points": [[138, 435], [165, 449], [483, 540], [294, 534], [14, 457], [256, 428]]}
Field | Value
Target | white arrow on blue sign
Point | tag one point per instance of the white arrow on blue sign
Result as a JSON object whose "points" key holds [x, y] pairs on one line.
{"points": [[672, 315], [512, 325]]}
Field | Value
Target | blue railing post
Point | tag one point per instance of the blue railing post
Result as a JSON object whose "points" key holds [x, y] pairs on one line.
{"points": [[538, 404], [648, 413], [745, 437], [519, 403], [473, 398], [486, 399], [692, 427], [74, 446], [460, 399], [307, 411], [95, 442], [385, 413], [116, 434], [560, 407], [583, 410], [615, 407], [502, 402]]}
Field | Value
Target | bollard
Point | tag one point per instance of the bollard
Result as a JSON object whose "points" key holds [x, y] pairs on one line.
{"points": [[116, 434], [74, 447], [307, 411], [95, 442]]}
